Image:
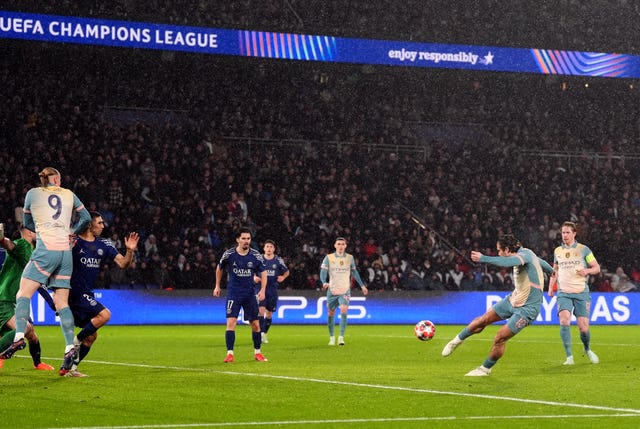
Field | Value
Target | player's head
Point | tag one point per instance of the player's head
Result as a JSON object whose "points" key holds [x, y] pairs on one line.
{"points": [[508, 244], [243, 238], [28, 235], [340, 244], [569, 231], [49, 176], [269, 247], [97, 223]]}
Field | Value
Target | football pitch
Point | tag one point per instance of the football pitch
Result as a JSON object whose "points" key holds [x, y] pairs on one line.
{"points": [[174, 377]]}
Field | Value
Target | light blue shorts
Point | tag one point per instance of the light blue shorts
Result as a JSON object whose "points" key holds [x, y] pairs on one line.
{"points": [[52, 268], [579, 304], [519, 318], [335, 301]]}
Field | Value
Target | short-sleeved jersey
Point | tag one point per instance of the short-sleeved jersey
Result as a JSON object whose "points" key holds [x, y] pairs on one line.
{"points": [[11, 272], [527, 273], [88, 257], [339, 269], [274, 267], [240, 269], [52, 210], [569, 259]]}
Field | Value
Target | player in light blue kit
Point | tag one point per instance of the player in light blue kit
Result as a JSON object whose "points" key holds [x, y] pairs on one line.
{"points": [[340, 266], [574, 263], [49, 210], [242, 263], [277, 272], [90, 252], [520, 308]]}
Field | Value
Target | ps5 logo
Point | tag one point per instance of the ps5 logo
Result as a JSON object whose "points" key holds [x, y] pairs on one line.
{"points": [[298, 304]]}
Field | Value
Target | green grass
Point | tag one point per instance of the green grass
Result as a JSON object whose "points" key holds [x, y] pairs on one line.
{"points": [[173, 376]]}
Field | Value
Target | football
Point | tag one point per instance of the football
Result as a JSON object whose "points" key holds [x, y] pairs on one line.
{"points": [[424, 330]]}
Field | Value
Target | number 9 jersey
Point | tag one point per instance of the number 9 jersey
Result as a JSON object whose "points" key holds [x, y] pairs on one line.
{"points": [[51, 211]]}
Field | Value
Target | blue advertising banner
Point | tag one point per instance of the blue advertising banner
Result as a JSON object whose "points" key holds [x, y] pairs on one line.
{"points": [[141, 307], [265, 44]]}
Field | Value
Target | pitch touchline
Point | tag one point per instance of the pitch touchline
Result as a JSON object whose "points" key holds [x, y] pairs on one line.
{"points": [[372, 420], [379, 386]]}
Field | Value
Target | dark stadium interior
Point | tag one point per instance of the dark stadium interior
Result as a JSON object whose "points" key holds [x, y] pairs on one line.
{"points": [[417, 167]]}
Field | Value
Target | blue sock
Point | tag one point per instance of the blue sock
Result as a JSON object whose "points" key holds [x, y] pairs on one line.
{"points": [[35, 352], [565, 335], [488, 363], [230, 338], [23, 306], [331, 325], [66, 323], [465, 333], [343, 323], [84, 350], [267, 325], [89, 329], [585, 337], [257, 339]]}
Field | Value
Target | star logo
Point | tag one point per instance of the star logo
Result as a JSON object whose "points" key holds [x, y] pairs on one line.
{"points": [[488, 59]]}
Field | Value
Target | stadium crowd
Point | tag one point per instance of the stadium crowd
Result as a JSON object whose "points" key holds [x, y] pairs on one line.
{"points": [[186, 149]]}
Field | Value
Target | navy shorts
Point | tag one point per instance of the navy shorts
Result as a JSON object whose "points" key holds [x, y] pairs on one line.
{"points": [[248, 303], [270, 302], [85, 308]]}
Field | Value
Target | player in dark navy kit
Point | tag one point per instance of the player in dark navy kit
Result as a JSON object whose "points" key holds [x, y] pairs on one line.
{"points": [[242, 263], [90, 252], [277, 272]]}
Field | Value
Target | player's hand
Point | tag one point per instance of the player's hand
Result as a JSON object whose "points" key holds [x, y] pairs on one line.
{"points": [[475, 256], [582, 272], [216, 292], [325, 286], [365, 290], [261, 295], [131, 241], [1, 231]]}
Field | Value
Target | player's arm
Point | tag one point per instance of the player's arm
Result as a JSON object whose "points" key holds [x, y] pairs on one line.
{"points": [[263, 285], [324, 271], [131, 243], [27, 221], [520, 258], [593, 265], [283, 276], [20, 251], [84, 216], [7, 244], [27, 217], [553, 280], [216, 289], [545, 266], [356, 276]]}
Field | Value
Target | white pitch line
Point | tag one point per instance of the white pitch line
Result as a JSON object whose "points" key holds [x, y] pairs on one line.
{"points": [[372, 420], [380, 387]]}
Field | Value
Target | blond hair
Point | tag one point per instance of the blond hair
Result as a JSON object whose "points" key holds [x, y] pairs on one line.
{"points": [[46, 173]]}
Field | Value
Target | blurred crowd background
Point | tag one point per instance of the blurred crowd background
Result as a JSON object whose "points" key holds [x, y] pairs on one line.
{"points": [[415, 168]]}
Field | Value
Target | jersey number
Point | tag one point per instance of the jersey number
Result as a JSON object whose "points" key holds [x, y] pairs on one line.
{"points": [[55, 203]]}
